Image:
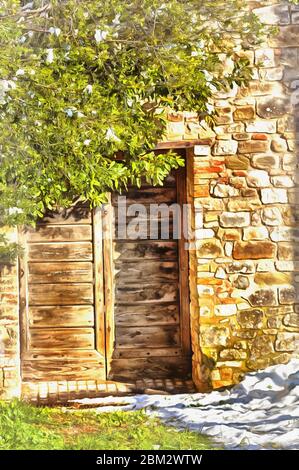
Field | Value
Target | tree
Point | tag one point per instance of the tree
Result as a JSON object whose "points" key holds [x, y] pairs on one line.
{"points": [[85, 86]]}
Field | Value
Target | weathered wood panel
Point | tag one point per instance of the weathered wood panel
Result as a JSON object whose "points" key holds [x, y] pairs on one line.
{"points": [[60, 251], [149, 336], [74, 215], [147, 293], [146, 249], [70, 365], [60, 294], [65, 316], [145, 314], [147, 352], [152, 367], [153, 195], [61, 329], [61, 338], [60, 233], [60, 272], [156, 271], [144, 230]]}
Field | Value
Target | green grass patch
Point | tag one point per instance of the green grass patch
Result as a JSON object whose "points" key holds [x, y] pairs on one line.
{"points": [[23, 426]]}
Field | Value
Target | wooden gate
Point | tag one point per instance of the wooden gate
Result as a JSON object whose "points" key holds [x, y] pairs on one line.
{"points": [[62, 313], [96, 307]]}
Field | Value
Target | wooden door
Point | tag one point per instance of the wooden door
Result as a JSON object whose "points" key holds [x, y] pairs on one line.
{"points": [[151, 300], [96, 307], [62, 313]]}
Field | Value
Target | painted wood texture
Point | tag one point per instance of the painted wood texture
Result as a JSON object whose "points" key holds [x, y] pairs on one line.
{"points": [[148, 333], [60, 320]]}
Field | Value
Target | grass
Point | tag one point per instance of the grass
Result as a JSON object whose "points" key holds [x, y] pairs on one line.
{"points": [[23, 426]]}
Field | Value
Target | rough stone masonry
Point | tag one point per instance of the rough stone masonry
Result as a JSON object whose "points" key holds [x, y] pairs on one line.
{"points": [[243, 188], [243, 185]]}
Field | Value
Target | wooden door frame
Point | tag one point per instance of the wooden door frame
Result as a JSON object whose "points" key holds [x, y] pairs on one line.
{"points": [[108, 286], [183, 260]]}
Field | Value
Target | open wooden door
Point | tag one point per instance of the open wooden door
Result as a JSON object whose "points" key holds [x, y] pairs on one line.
{"points": [[61, 299]]}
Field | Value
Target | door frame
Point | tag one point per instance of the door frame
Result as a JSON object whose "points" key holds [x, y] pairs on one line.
{"points": [[183, 260], [104, 275]]}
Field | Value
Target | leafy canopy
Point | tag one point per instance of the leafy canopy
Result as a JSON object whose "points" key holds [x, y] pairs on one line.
{"points": [[85, 82]]}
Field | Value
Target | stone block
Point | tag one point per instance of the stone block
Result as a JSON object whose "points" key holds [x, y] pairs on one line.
{"points": [[237, 162], [274, 196], [272, 278], [220, 274], [255, 233], [242, 282], [271, 74], [271, 216], [241, 136], [244, 113], [245, 267], [265, 57], [291, 320], [254, 250], [224, 190], [225, 147], [265, 265], [287, 37], [287, 342], [235, 219], [263, 298], [253, 146], [261, 346], [232, 354], [286, 266], [252, 318], [204, 233], [209, 249], [279, 145], [212, 335], [243, 204], [258, 179], [273, 106], [273, 14], [287, 252], [282, 181], [267, 127], [202, 150], [225, 310], [287, 295], [281, 234]]}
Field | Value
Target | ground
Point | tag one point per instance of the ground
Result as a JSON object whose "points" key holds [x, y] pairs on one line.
{"points": [[23, 426], [260, 413]]}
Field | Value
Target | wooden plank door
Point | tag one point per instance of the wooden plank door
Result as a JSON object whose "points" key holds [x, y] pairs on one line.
{"points": [[61, 298], [151, 300]]}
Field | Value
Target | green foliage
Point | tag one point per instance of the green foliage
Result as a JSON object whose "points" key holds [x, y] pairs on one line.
{"points": [[23, 426], [8, 251], [84, 86]]}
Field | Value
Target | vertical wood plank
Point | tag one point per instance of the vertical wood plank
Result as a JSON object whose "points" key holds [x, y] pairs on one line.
{"points": [[23, 291], [183, 266], [109, 286], [99, 281]]}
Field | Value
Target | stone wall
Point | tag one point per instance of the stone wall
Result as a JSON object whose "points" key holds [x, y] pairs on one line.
{"points": [[243, 185], [10, 381]]}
